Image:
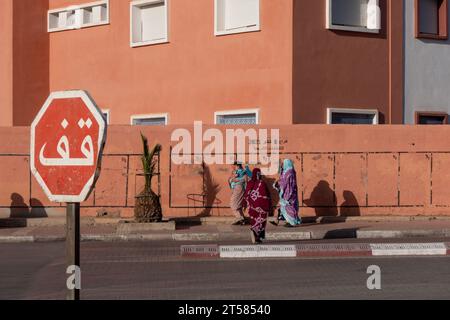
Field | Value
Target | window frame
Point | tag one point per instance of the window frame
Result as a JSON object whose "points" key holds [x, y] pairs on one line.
{"points": [[442, 26], [76, 8], [238, 112], [141, 3], [150, 116], [418, 114], [331, 26], [374, 112], [219, 33]]}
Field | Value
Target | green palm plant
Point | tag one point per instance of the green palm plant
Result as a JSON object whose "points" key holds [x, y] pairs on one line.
{"points": [[148, 205]]}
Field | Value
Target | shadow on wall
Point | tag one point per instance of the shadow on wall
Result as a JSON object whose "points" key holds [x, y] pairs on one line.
{"points": [[19, 209], [208, 198], [350, 206], [323, 199]]}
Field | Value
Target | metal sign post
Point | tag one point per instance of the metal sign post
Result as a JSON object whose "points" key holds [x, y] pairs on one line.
{"points": [[73, 246]]}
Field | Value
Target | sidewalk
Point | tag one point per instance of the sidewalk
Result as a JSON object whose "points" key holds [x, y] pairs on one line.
{"points": [[219, 230]]}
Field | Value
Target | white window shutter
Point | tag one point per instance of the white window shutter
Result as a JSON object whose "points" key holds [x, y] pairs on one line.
{"points": [[373, 15], [241, 13], [78, 18], [154, 24], [74, 17], [363, 12], [62, 19], [97, 14]]}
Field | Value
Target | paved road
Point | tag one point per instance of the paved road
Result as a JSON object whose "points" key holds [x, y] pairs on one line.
{"points": [[155, 271]]}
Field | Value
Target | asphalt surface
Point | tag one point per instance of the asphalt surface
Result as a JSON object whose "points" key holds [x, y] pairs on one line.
{"points": [[156, 271]]}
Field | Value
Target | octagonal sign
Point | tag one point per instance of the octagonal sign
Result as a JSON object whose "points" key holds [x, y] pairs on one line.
{"points": [[67, 140]]}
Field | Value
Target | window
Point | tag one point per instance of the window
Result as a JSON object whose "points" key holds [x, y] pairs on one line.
{"points": [[236, 16], [354, 15], [77, 17], [239, 117], [352, 116], [432, 19], [150, 120], [149, 22], [431, 118]]}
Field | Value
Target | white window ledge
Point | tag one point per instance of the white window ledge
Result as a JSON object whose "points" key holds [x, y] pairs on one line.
{"points": [[371, 112], [141, 28], [87, 15], [236, 16], [241, 30], [353, 29], [164, 116], [239, 112], [366, 18]]}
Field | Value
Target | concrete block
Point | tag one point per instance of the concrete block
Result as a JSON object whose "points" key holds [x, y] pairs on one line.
{"points": [[441, 178], [382, 187], [130, 228], [110, 190], [318, 184], [415, 177], [351, 183], [14, 182]]}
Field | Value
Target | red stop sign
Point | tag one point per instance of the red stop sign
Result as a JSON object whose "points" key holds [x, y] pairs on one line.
{"points": [[67, 139]]}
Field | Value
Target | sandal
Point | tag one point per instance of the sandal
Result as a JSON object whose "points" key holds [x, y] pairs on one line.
{"points": [[288, 225], [252, 233], [255, 238]]}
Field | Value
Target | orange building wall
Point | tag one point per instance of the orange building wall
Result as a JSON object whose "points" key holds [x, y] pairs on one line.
{"points": [[31, 59], [6, 60], [343, 69], [191, 77]]}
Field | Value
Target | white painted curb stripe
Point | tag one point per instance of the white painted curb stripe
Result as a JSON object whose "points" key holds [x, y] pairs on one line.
{"points": [[409, 249], [16, 239], [293, 251], [247, 252]]}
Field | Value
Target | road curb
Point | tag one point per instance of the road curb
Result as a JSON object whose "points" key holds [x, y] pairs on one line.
{"points": [[180, 237], [230, 236], [17, 239], [316, 250]]}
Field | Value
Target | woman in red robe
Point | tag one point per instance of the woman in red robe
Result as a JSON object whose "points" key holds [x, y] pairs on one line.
{"points": [[257, 200]]}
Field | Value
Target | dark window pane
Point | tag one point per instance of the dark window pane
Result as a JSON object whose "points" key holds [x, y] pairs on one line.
{"points": [[352, 118], [240, 119], [431, 120], [150, 122], [429, 16], [349, 13]]}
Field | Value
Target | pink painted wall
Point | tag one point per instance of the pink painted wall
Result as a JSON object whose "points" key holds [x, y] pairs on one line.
{"points": [[31, 59], [24, 75], [6, 60], [191, 77], [342, 170]]}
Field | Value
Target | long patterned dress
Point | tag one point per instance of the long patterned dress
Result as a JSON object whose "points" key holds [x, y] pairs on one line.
{"points": [[289, 204], [257, 200]]}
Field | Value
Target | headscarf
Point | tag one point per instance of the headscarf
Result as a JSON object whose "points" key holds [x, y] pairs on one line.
{"points": [[257, 194], [288, 165], [255, 177]]}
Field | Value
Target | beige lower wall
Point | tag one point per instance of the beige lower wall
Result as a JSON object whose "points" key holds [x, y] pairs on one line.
{"points": [[342, 170]]}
